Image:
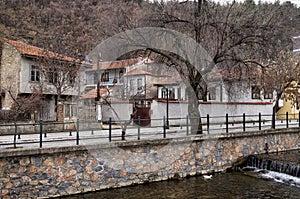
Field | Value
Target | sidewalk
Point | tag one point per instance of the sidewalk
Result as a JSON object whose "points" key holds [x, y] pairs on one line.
{"points": [[102, 136]]}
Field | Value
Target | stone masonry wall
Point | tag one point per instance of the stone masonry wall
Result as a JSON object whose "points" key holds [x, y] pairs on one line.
{"points": [[9, 69], [48, 172]]}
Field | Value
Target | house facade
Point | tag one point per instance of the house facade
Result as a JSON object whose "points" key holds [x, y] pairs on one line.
{"points": [[148, 88], [22, 75]]}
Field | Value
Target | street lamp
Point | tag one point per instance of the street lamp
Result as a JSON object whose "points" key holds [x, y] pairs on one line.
{"points": [[167, 122], [98, 97]]}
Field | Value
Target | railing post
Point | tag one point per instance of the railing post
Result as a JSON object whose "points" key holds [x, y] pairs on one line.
{"points": [[19, 135], [41, 133], [244, 122], [299, 119], [273, 120], [164, 132], [207, 121], [287, 119], [187, 125], [259, 121], [226, 122], [77, 132], [45, 134], [109, 129], [15, 136], [139, 127]]}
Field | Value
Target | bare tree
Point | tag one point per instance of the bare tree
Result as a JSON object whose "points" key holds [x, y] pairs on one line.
{"points": [[235, 35], [58, 77], [114, 93], [23, 107], [281, 77]]}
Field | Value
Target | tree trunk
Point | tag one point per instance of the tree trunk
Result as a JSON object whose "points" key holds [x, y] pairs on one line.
{"points": [[194, 113], [60, 110], [275, 109]]}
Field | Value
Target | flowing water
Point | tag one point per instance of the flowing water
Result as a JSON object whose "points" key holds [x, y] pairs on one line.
{"points": [[248, 183]]}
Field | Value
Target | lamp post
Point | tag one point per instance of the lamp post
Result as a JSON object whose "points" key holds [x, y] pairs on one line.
{"points": [[167, 122], [98, 97]]}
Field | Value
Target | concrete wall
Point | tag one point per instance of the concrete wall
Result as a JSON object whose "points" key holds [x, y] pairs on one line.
{"points": [[236, 109], [179, 109], [117, 111], [32, 173]]}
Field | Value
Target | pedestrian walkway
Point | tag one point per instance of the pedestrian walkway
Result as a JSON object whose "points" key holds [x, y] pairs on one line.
{"points": [[87, 137]]}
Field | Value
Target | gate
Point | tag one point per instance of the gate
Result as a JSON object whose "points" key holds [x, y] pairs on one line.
{"points": [[142, 108]]}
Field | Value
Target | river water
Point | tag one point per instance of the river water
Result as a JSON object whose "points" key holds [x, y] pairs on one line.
{"points": [[244, 184]]}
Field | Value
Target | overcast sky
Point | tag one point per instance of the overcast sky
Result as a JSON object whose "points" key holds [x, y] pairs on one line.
{"points": [[297, 2]]}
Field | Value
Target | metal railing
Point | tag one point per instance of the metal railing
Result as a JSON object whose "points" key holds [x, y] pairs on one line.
{"points": [[49, 134]]}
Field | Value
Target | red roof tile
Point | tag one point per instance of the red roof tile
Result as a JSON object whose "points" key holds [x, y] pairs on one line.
{"points": [[116, 64], [30, 50], [168, 81], [136, 71], [93, 93]]}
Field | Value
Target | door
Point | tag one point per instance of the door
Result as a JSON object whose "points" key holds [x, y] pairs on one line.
{"points": [[142, 108]]}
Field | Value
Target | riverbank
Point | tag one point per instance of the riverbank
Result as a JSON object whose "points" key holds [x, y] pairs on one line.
{"points": [[250, 184], [54, 172], [221, 185]]}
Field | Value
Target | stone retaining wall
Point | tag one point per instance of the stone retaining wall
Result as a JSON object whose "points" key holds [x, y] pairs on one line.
{"points": [[48, 172], [11, 129]]}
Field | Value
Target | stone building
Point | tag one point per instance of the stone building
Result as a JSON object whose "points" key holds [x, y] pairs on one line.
{"points": [[27, 69]]}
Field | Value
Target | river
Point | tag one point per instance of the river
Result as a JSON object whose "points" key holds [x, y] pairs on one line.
{"points": [[246, 184]]}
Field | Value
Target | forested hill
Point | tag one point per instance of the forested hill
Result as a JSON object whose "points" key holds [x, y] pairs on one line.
{"points": [[76, 24], [75, 27]]}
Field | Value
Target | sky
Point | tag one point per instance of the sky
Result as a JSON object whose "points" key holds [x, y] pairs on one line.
{"points": [[297, 2]]}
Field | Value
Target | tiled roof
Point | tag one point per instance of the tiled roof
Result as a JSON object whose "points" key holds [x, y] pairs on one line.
{"points": [[136, 71], [168, 81], [116, 64], [93, 93], [30, 50]]}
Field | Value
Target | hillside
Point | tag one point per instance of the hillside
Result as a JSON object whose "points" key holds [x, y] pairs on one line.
{"points": [[75, 27], [70, 26]]}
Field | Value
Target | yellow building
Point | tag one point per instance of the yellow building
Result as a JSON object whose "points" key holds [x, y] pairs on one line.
{"points": [[289, 104]]}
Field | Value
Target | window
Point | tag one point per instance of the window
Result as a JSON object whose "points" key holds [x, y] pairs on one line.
{"points": [[95, 78], [168, 93], [52, 75], [164, 93], [121, 74], [131, 86], [139, 84], [105, 77], [71, 78], [171, 93], [212, 93], [70, 110], [255, 92], [268, 95], [35, 74]]}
